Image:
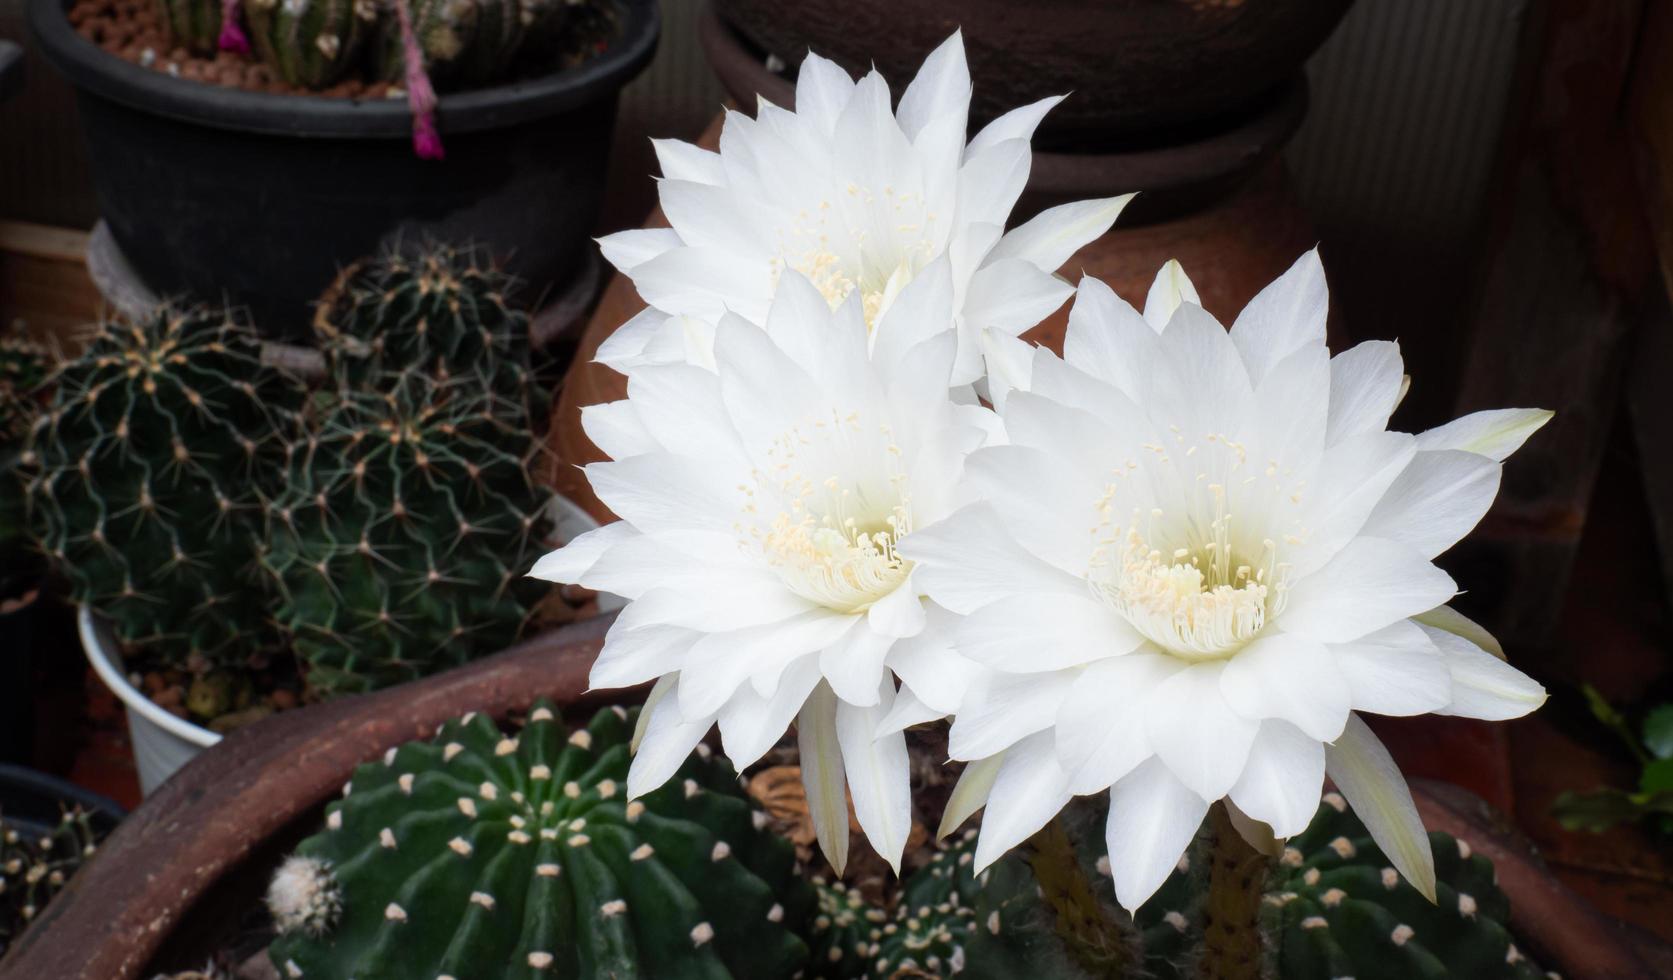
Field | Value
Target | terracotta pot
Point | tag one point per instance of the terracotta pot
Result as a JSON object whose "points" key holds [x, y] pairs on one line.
{"points": [[1141, 71], [169, 885]]}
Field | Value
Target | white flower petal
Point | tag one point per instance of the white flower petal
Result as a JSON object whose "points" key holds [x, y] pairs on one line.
{"points": [[930, 666], [1369, 584], [1028, 790], [629, 249], [1153, 819], [680, 160], [1494, 434], [661, 491], [634, 656], [703, 282], [1284, 317], [1365, 384], [719, 663], [1287, 676], [1047, 505], [1281, 781], [1394, 671], [1009, 361], [853, 664], [921, 311], [823, 776], [614, 427], [1001, 709], [898, 614], [941, 89], [1196, 733], [1048, 239], [1171, 288], [668, 739], [991, 180], [751, 724], [906, 711], [970, 793], [1352, 480], [1112, 342], [1366, 774], [680, 406], [1453, 621], [878, 774], [822, 92], [1018, 124], [969, 559], [1436, 500], [1483, 686], [1101, 733], [570, 563], [1032, 633], [627, 345], [1012, 295]]}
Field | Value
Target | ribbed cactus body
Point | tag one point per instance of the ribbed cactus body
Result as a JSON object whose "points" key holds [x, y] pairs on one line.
{"points": [[441, 310], [481, 856], [465, 43], [146, 481], [403, 538], [33, 870], [191, 24], [312, 43]]}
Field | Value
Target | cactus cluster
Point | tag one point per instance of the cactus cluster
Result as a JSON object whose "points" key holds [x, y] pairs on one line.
{"points": [[146, 478], [442, 310], [479, 854], [401, 541], [34, 869], [310, 43]]}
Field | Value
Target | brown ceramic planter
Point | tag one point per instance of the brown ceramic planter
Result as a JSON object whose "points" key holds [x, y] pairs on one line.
{"points": [[1139, 69], [174, 876]]}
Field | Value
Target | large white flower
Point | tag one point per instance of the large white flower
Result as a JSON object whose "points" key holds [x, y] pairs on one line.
{"points": [[763, 504], [1199, 555], [861, 200]]}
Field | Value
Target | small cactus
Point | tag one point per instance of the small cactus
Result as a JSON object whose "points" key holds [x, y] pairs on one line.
{"points": [[843, 933], [401, 543], [146, 477], [482, 855], [191, 24], [463, 43], [312, 43], [33, 870]]}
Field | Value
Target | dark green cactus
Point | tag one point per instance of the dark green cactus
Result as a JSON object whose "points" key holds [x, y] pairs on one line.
{"points": [[464, 43], [479, 856], [442, 310], [33, 870], [146, 479], [191, 24], [311, 43], [402, 542], [24, 367], [843, 933]]}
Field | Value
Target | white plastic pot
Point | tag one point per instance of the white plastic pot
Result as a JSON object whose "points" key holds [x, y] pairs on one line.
{"points": [[162, 742]]}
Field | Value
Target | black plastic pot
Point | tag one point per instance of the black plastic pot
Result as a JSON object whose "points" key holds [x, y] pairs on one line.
{"points": [[11, 69], [32, 800], [260, 198], [19, 624]]}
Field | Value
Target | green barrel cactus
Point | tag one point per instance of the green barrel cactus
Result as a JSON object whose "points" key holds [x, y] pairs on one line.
{"points": [[311, 43], [462, 43], [844, 931], [191, 24], [480, 856], [34, 869], [442, 310], [401, 544], [146, 479]]}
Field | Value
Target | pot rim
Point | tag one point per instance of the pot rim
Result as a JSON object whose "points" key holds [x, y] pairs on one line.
{"points": [[97, 643], [92, 69]]}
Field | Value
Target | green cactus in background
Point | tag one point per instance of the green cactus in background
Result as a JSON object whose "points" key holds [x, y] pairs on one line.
{"points": [[146, 479], [191, 24], [441, 310], [463, 43], [32, 871], [24, 368], [403, 538], [311, 43], [478, 855], [843, 933]]}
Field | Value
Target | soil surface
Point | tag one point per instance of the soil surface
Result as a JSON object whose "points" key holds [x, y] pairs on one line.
{"points": [[133, 30]]}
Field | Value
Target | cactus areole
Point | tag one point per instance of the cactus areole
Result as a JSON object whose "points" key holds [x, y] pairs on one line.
{"points": [[172, 159]]}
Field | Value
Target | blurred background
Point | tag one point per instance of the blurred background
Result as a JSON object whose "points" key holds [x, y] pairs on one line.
{"points": [[1491, 184]]}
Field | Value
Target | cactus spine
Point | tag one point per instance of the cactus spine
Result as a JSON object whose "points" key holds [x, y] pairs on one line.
{"points": [[146, 480], [312, 43], [478, 855]]}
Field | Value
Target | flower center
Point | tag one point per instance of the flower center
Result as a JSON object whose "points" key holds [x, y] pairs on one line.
{"points": [[832, 540], [1198, 601], [827, 274]]}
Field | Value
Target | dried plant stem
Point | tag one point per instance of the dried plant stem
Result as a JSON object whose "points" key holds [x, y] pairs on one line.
{"points": [[1231, 944], [1098, 942]]}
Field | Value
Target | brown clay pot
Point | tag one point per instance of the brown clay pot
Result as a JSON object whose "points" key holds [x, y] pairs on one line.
{"points": [[1141, 70], [168, 886]]}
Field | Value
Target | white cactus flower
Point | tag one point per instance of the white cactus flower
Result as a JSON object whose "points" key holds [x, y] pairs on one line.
{"points": [[1199, 555], [861, 200], [763, 506]]}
